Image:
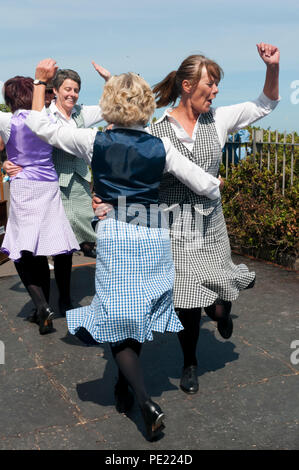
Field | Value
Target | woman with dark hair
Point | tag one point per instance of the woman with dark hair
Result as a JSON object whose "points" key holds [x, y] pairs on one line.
{"points": [[205, 277], [37, 226], [73, 174]]}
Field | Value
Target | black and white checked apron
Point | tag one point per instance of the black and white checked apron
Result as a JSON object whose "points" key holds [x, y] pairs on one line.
{"points": [[204, 270]]}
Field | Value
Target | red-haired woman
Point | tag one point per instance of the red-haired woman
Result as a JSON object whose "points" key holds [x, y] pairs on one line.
{"points": [[37, 225]]}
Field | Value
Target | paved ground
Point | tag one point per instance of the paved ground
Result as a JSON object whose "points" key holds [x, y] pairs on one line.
{"points": [[57, 394]]}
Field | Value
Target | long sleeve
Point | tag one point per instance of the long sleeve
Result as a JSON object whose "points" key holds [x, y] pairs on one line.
{"points": [[232, 118], [190, 174], [91, 115], [76, 141]]}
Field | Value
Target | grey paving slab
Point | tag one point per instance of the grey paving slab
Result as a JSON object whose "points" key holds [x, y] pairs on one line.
{"points": [[31, 400], [57, 394]]}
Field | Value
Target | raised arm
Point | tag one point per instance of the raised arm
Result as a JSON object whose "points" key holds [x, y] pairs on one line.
{"points": [[105, 74], [270, 55], [44, 72], [190, 174], [76, 141]]}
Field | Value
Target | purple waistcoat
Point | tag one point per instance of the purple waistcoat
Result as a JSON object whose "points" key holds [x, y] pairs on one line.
{"points": [[27, 150]]}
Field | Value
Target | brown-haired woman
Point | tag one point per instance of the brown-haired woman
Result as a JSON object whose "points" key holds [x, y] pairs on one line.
{"points": [[206, 277], [37, 225]]}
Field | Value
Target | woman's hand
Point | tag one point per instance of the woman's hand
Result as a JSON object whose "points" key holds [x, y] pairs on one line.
{"points": [[100, 208], [269, 54], [105, 74], [11, 169], [221, 183], [46, 70]]}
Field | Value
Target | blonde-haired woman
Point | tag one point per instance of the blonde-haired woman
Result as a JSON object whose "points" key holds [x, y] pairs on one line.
{"points": [[134, 270]]}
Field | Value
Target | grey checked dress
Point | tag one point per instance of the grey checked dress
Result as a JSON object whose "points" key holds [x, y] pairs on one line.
{"points": [[74, 181], [204, 270]]}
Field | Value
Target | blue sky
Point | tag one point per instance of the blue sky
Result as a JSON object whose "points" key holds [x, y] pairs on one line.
{"points": [[152, 38]]}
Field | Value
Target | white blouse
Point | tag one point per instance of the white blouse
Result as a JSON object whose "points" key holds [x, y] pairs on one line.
{"points": [[91, 115], [80, 142], [227, 119]]}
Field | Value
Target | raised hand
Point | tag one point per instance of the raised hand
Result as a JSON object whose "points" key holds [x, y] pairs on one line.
{"points": [[105, 74], [269, 54], [46, 70]]}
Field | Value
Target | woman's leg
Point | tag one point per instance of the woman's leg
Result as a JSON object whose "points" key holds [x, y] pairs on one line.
{"points": [[35, 275], [188, 337], [126, 355], [62, 272], [220, 312]]}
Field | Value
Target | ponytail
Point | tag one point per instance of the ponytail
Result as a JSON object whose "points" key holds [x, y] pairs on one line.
{"points": [[166, 91]]}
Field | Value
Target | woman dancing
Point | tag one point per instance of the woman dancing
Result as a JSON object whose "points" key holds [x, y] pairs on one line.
{"points": [[134, 270], [205, 277], [37, 226]]}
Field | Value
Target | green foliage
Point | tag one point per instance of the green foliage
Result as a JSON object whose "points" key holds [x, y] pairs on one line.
{"points": [[4, 108], [260, 220]]}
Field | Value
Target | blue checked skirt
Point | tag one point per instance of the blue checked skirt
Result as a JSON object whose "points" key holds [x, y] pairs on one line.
{"points": [[133, 283]]}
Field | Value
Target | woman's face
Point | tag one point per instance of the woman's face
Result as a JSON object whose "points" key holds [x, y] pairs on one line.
{"points": [[67, 95], [202, 94]]}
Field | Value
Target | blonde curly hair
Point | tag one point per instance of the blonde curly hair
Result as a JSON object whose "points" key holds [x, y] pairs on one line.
{"points": [[127, 100]]}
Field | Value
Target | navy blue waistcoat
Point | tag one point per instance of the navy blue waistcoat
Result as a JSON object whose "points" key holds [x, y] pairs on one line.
{"points": [[127, 163]]}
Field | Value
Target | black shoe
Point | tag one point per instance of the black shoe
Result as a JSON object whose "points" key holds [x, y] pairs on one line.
{"points": [[90, 253], [64, 306], [153, 419], [32, 317], [124, 398], [189, 381], [85, 337], [225, 325], [45, 316], [251, 285]]}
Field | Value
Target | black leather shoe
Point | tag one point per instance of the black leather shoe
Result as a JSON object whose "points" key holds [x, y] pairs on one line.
{"points": [[251, 285], [225, 325], [64, 306], [90, 253], [45, 316], [124, 398], [189, 381], [153, 419]]}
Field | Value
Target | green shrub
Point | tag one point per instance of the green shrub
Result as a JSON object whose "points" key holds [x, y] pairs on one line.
{"points": [[261, 221]]}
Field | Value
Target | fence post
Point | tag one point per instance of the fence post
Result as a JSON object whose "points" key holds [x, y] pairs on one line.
{"points": [[269, 146], [284, 162], [276, 152]]}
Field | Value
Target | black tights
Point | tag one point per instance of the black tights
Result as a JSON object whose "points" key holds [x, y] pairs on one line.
{"points": [[190, 319], [62, 272], [188, 337], [126, 355], [35, 275]]}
